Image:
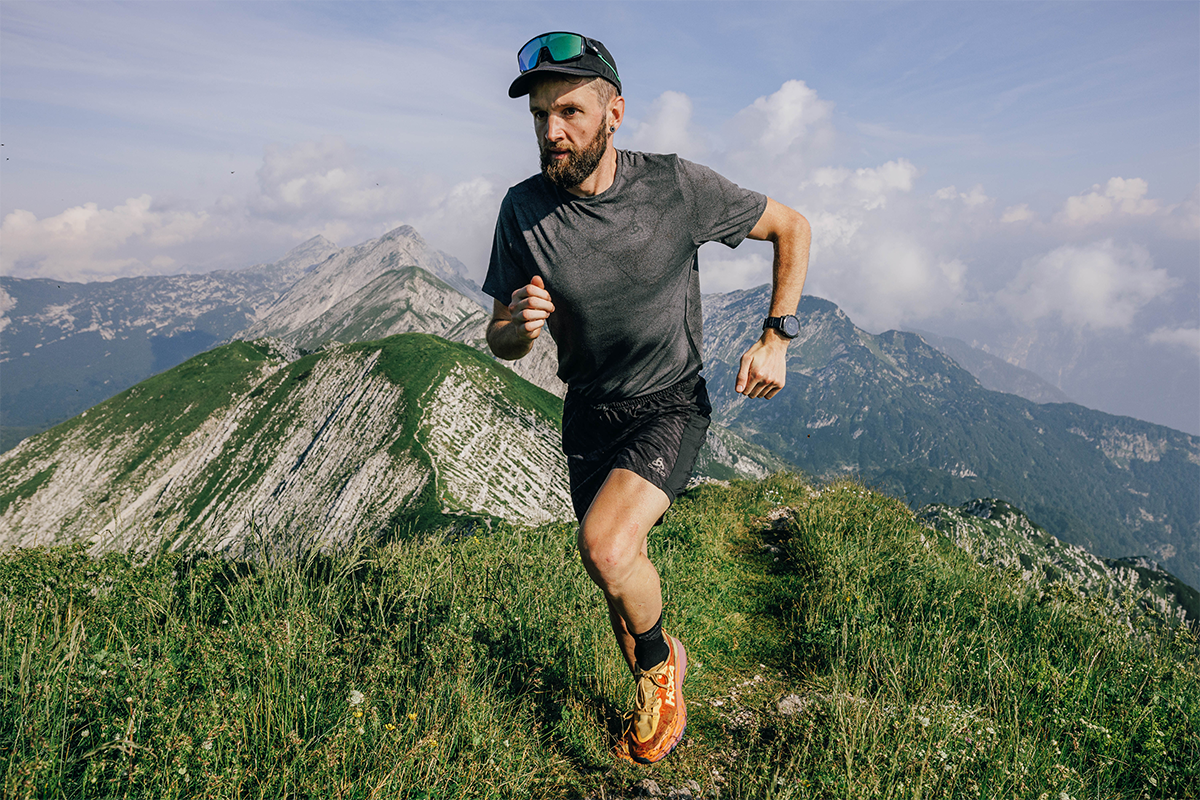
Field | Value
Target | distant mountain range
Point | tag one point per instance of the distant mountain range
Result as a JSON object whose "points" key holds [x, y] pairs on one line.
{"points": [[912, 422], [66, 346], [889, 407]]}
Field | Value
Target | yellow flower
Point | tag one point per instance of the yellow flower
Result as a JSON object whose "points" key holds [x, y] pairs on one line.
{"points": [[358, 713], [413, 716], [389, 727]]}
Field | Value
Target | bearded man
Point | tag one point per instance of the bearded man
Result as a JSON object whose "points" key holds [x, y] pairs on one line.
{"points": [[601, 248]]}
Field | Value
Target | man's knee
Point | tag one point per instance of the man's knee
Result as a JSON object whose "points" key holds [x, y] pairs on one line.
{"points": [[608, 551]]}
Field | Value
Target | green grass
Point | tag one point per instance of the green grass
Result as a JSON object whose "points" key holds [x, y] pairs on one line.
{"points": [[449, 665]]}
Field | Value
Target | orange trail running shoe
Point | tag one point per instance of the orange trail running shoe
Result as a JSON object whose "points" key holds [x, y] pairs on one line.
{"points": [[659, 716]]}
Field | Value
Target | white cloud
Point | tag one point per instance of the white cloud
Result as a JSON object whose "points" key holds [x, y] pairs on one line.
{"points": [[867, 188], [1017, 213], [974, 197], [725, 270], [1101, 285], [905, 282], [461, 222], [1183, 220], [778, 122], [1188, 338], [7, 304], [83, 243], [776, 140], [667, 128], [1119, 196]]}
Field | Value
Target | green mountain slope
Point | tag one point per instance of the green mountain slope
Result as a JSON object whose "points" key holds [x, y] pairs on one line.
{"points": [[247, 441], [909, 420]]}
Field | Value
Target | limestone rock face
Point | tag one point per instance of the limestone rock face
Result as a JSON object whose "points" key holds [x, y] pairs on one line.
{"points": [[241, 445]]}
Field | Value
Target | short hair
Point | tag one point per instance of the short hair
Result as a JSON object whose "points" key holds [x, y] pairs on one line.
{"points": [[605, 90]]}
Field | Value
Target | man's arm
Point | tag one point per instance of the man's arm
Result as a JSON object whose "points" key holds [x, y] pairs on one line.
{"points": [[764, 366], [513, 328]]}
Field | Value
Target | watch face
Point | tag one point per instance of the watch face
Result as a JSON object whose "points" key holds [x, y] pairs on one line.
{"points": [[791, 327]]}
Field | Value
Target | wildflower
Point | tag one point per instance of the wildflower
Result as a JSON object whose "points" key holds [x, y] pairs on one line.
{"points": [[84, 734], [413, 716], [361, 730], [924, 721], [357, 714], [389, 726], [356, 697], [207, 745]]}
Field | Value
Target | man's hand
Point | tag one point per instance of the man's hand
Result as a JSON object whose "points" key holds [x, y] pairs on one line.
{"points": [[514, 327], [763, 369]]}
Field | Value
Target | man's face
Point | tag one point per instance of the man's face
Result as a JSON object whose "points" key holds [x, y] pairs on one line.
{"points": [[571, 126]]}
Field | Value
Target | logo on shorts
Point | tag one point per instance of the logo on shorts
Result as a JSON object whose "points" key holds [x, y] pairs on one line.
{"points": [[659, 466]]}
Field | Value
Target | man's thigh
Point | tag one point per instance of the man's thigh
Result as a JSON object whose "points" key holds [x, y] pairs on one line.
{"points": [[625, 509]]}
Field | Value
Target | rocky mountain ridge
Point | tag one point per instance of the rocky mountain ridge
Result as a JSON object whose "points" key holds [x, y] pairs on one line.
{"points": [[1135, 590], [246, 440]]}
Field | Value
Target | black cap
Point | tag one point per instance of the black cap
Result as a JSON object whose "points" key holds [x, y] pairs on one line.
{"points": [[589, 65]]}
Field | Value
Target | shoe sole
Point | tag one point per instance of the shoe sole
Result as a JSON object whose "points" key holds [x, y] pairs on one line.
{"points": [[682, 712]]}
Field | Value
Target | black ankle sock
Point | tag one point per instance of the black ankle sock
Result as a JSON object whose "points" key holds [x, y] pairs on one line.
{"points": [[650, 648]]}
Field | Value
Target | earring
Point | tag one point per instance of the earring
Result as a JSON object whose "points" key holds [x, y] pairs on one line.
{"points": [[612, 129]]}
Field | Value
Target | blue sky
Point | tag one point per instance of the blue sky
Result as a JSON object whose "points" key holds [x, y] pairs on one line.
{"points": [[996, 171]]}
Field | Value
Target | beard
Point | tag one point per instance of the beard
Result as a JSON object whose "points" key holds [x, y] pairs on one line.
{"points": [[578, 165]]}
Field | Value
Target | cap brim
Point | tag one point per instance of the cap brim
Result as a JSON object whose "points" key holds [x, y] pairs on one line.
{"points": [[524, 82]]}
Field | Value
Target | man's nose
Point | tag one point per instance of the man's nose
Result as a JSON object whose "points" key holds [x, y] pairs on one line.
{"points": [[554, 129]]}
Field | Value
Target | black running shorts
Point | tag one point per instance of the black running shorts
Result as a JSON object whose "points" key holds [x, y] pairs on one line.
{"points": [[657, 436]]}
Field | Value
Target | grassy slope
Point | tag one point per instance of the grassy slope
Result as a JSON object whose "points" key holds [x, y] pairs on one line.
{"points": [[486, 669]]}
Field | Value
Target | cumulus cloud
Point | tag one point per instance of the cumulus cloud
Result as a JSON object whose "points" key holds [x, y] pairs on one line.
{"points": [[974, 197], [1183, 220], [1017, 213], [667, 128], [895, 278], [725, 270], [1099, 286], [85, 242], [1119, 196], [7, 304], [1188, 338], [867, 188], [778, 138]]}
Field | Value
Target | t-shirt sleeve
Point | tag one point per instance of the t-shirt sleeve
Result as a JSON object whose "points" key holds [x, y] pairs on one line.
{"points": [[506, 271], [721, 210]]}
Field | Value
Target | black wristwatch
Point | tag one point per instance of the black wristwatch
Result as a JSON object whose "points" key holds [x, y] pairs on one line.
{"points": [[789, 326]]}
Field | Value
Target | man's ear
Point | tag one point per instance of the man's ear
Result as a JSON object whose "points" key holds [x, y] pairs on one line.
{"points": [[616, 112]]}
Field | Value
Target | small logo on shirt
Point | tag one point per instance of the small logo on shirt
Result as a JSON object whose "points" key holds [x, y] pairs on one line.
{"points": [[659, 466]]}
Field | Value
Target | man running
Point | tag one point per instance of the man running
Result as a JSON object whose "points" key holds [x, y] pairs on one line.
{"points": [[601, 246]]}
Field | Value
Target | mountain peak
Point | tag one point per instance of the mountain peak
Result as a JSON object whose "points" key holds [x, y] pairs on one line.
{"points": [[403, 232], [317, 242]]}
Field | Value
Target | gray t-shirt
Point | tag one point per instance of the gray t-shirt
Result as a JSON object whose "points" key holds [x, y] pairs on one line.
{"points": [[621, 267]]}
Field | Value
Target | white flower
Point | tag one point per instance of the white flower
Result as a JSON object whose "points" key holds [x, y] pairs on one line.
{"points": [[356, 697], [207, 744]]}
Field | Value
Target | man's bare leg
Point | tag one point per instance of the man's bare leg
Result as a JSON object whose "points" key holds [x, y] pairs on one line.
{"points": [[625, 639], [613, 545]]}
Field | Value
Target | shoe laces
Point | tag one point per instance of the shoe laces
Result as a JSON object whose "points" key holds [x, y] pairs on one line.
{"points": [[646, 698]]}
